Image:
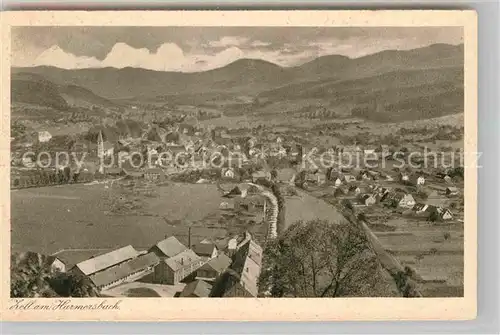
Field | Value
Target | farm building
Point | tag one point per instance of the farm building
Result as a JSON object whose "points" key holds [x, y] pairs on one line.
{"points": [[212, 269], [451, 191], [241, 279], [105, 261], [168, 247], [125, 272], [205, 250], [196, 289], [56, 264], [173, 270]]}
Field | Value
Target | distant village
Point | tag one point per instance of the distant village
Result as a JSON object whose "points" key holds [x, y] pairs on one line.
{"points": [[205, 268]]}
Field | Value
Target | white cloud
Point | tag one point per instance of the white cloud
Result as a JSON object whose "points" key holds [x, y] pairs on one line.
{"points": [[57, 57], [228, 41], [168, 57], [259, 43]]}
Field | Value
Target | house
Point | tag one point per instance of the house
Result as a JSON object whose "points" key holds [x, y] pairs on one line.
{"points": [[232, 246], [154, 174], [175, 150], [252, 204], [261, 175], [228, 173], [107, 149], [367, 199], [427, 210], [168, 247], [56, 265], [401, 199], [44, 136], [196, 289], [212, 269], [241, 278], [349, 178], [419, 181], [133, 173], [384, 150], [173, 270], [125, 272], [404, 177], [114, 171], [355, 189], [451, 191], [105, 261], [205, 250], [445, 213], [448, 179], [337, 182], [286, 175]]}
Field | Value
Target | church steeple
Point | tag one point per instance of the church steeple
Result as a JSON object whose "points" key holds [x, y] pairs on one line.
{"points": [[100, 151]]}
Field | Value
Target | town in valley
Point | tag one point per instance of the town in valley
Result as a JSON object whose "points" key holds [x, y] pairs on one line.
{"points": [[333, 173]]}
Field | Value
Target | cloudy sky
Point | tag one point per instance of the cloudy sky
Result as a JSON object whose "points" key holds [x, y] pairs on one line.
{"points": [[190, 49]]}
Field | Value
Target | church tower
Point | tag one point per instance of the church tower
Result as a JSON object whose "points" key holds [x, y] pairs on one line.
{"points": [[100, 151]]}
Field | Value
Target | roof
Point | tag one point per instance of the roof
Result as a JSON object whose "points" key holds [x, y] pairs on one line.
{"points": [[245, 270], [219, 263], [153, 171], [204, 249], [107, 145], [182, 259], [170, 246], [452, 188], [125, 269], [113, 170], [107, 260], [198, 288], [260, 174]]}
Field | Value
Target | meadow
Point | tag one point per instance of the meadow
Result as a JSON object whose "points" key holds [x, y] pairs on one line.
{"points": [[49, 219]]}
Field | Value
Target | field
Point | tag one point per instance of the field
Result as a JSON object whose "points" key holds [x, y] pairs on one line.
{"points": [[76, 221], [434, 251], [75, 216]]}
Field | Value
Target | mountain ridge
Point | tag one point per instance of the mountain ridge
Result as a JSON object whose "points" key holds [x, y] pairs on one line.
{"points": [[245, 75]]}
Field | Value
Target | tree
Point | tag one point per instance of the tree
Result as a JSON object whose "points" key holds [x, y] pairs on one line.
{"points": [[73, 285], [319, 259]]}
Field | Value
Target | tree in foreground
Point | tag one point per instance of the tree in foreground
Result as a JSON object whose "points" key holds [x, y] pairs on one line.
{"points": [[320, 259]]}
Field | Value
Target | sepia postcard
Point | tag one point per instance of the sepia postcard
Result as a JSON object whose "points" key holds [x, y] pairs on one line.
{"points": [[239, 165]]}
